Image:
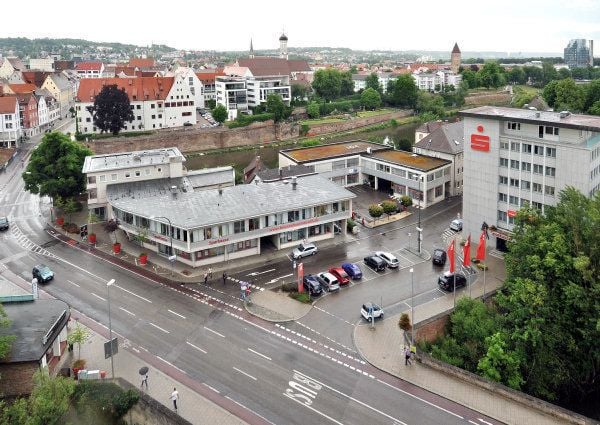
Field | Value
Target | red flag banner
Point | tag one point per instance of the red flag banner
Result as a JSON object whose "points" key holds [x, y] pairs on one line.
{"points": [[300, 277], [451, 256], [481, 248], [467, 253]]}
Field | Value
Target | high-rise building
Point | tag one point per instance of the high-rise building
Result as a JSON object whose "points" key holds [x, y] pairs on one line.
{"points": [[579, 53]]}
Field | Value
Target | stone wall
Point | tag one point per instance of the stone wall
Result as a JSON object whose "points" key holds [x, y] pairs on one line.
{"points": [[432, 328], [17, 378], [336, 127]]}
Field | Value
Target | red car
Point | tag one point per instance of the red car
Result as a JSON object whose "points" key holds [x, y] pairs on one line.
{"points": [[340, 274]]}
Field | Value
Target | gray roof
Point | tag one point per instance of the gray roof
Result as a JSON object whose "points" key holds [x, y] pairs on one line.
{"points": [[211, 177], [429, 126], [574, 121], [191, 209], [273, 174], [61, 82], [449, 138], [125, 160], [31, 321]]}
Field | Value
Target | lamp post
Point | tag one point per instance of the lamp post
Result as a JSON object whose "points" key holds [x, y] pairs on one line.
{"points": [[419, 228], [112, 366], [172, 256], [412, 306]]}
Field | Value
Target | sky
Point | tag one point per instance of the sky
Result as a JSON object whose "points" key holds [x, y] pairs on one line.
{"points": [[506, 26]]}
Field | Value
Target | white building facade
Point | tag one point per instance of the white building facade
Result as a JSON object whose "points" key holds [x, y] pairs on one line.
{"points": [[231, 92], [10, 122]]}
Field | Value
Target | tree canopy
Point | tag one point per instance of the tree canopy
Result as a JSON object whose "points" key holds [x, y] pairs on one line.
{"points": [[55, 167], [219, 113], [5, 340], [370, 99], [111, 109], [276, 107], [372, 81], [404, 92]]}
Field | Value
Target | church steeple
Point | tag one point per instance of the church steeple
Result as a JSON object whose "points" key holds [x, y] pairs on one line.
{"points": [[251, 55], [283, 53]]}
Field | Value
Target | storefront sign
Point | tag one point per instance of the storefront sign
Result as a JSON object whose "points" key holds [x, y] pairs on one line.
{"points": [[512, 213], [295, 224], [480, 142], [220, 240], [501, 235]]}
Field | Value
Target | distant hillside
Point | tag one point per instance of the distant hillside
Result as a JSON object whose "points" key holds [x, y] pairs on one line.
{"points": [[68, 47]]}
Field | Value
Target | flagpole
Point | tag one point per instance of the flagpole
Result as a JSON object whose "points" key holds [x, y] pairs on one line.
{"points": [[483, 296]]}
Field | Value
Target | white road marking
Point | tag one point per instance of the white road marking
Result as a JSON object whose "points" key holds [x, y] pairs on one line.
{"points": [[475, 423], [420, 399], [247, 408], [353, 399], [212, 388], [259, 354], [177, 314], [485, 422], [244, 373], [98, 296], [159, 328], [275, 279], [196, 347], [263, 272], [215, 332], [315, 410], [126, 311], [73, 283], [134, 294]]}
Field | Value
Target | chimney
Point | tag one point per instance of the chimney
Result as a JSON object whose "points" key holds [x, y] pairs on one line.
{"points": [[294, 182]]}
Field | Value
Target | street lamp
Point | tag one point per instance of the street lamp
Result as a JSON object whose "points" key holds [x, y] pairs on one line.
{"points": [[419, 228], [112, 365], [172, 256], [412, 306]]}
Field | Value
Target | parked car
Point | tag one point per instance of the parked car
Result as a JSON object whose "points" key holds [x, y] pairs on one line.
{"points": [[390, 259], [330, 283], [312, 285], [438, 257], [4, 223], [371, 310], [353, 270], [304, 250], [42, 273], [340, 274], [375, 262], [446, 281], [456, 225], [187, 124]]}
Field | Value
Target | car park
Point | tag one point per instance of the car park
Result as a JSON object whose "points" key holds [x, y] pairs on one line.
{"points": [[329, 282], [340, 274], [353, 270], [312, 285], [42, 273], [371, 311], [438, 257], [375, 262], [456, 225], [4, 223], [389, 259], [446, 281], [304, 250]]}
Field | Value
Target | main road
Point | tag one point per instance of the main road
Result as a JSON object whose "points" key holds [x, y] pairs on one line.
{"points": [[282, 374]]}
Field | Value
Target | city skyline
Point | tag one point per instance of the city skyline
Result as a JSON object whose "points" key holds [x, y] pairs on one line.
{"points": [[539, 26]]}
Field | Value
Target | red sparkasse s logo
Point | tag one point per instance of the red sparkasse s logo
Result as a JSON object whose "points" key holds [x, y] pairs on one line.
{"points": [[480, 142]]}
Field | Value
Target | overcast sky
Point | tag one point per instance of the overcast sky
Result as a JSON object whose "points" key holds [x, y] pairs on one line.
{"points": [[509, 25]]}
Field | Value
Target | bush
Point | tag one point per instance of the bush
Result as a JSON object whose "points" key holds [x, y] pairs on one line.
{"points": [[375, 211], [243, 120], [104, 398], [303, 297], [310, 142], [389, 207], [404, 322], [350, 224], [406, 201], [304, 128]]}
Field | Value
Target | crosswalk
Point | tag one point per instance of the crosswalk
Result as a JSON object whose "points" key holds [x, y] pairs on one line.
{"points": [[27, 244]]}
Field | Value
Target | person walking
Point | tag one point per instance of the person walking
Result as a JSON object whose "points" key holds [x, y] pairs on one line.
{"points": [[145, 381], [407, 355], [175, 397], [243, 288], [224, 278], [247, 290], [205, 278], [210, 273]]}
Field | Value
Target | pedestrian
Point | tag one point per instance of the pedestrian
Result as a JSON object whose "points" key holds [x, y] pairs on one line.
{"points": [[224, 278], [247, 290], [243, 288], [175, 397], [210, 273], [145, 381], [205, 278], [407, 355]]}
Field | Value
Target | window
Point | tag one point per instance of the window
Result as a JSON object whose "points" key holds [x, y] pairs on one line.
{"points": [[515, 146], [152, 106], [551, 152], [503, 180], [139, 118], [538, 169], [504, 162], [526, 166], [92, 180], [153, 116], [526, 148], [537, 187], [159, 170], [239, 226], [514, 164], [504, 145], [514, 182], [549, 190], [525, 185], [138, 107], [113, 177], [547, 130], [502, 197], [514, 200], [513, 125], [254, 223], [538, 150], [102, 178], [537, 205], [439, 191], [502, 216], [127, 174], [550, 171], [138, 173]]}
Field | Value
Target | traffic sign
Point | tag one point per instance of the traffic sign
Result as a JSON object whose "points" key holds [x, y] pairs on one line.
{"points": [[108, 352]]}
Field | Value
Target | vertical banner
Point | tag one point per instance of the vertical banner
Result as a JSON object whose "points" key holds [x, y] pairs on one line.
{"points": [[451, 256], [467, 252], [481, 248], [300, 277]]}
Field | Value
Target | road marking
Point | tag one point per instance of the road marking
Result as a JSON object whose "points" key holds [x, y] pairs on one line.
{"points": [[126, 311], [176, 314], [263, 272], [212, 388], [215, 332], [353, 399], [247, 408], [485, 422], [275, 279], [159, 328], [259, 354], [315, 410], [420, 399], [98, 296], [134, 294], [196, 347], [244, 373], [475, 423], [73, 283]]}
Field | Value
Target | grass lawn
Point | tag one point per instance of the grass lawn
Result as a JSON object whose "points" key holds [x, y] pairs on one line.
{"points": [[361, 114], [322, 121], [365, 114]]}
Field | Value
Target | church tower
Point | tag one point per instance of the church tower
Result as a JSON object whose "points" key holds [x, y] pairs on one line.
{"points": [[283, 53], [455, 59], [251, 55]]}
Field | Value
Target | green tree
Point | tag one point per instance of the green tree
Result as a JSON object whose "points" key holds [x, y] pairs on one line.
{"points": [[592, 94], [595, 108], [219, 113], [430, 102], [370, 99], [404, 93], [55, 167], [50, 399], [406, 201], [549, 93], [501, 364], [313, 110], [564, 73], [111, 109], [491, 75], [470, 77], [389, 207], [78, 336], [346, 84], [534, 74], [327, 83], [404, 145], [375, 211], [71, 206], [569, 95], [5, 340], [372, 81], [549, 73], [299, 92], [276, 107], [516, 75]]}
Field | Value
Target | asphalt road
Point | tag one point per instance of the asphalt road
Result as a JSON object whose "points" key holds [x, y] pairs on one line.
{"points": [[305, 373]]}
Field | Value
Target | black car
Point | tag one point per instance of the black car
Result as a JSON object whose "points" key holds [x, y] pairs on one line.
{"points": [[3, 223], [312, 285], [446, 281], [375, 262], [439, 257]]}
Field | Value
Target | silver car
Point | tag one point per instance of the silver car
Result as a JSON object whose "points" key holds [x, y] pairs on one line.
{"points": [[456, 225], [389, 259], [330, 282], [304, 250]]}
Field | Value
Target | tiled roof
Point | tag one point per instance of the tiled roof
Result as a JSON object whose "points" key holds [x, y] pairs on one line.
{"points": [[17, 64], [411, 160], [455, 49], [138, 89], [35, 77], [429, 127], [89, 66], [63, 65], [332, 150], [127, 70], [24, 98], [448, 138], [8, 104], [62, 83], [141, 62], [22, 88], [297, 65], [209, 77], [262, 66]]}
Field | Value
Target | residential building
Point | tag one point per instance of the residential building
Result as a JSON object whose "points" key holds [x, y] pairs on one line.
{"points": [[142, 63], [52, 108], [579, 53], [62, 90], [6, 68], [201, 217], [42, 112], [429, 81], [10, 122], [515, 157], [28, 113], [208, 80], [42, 64], [64, 65], [426, 129], [90, 69], [232, 93], [188, 75], [360, 81], [156, 102], [455, 58], [384, 78]]}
